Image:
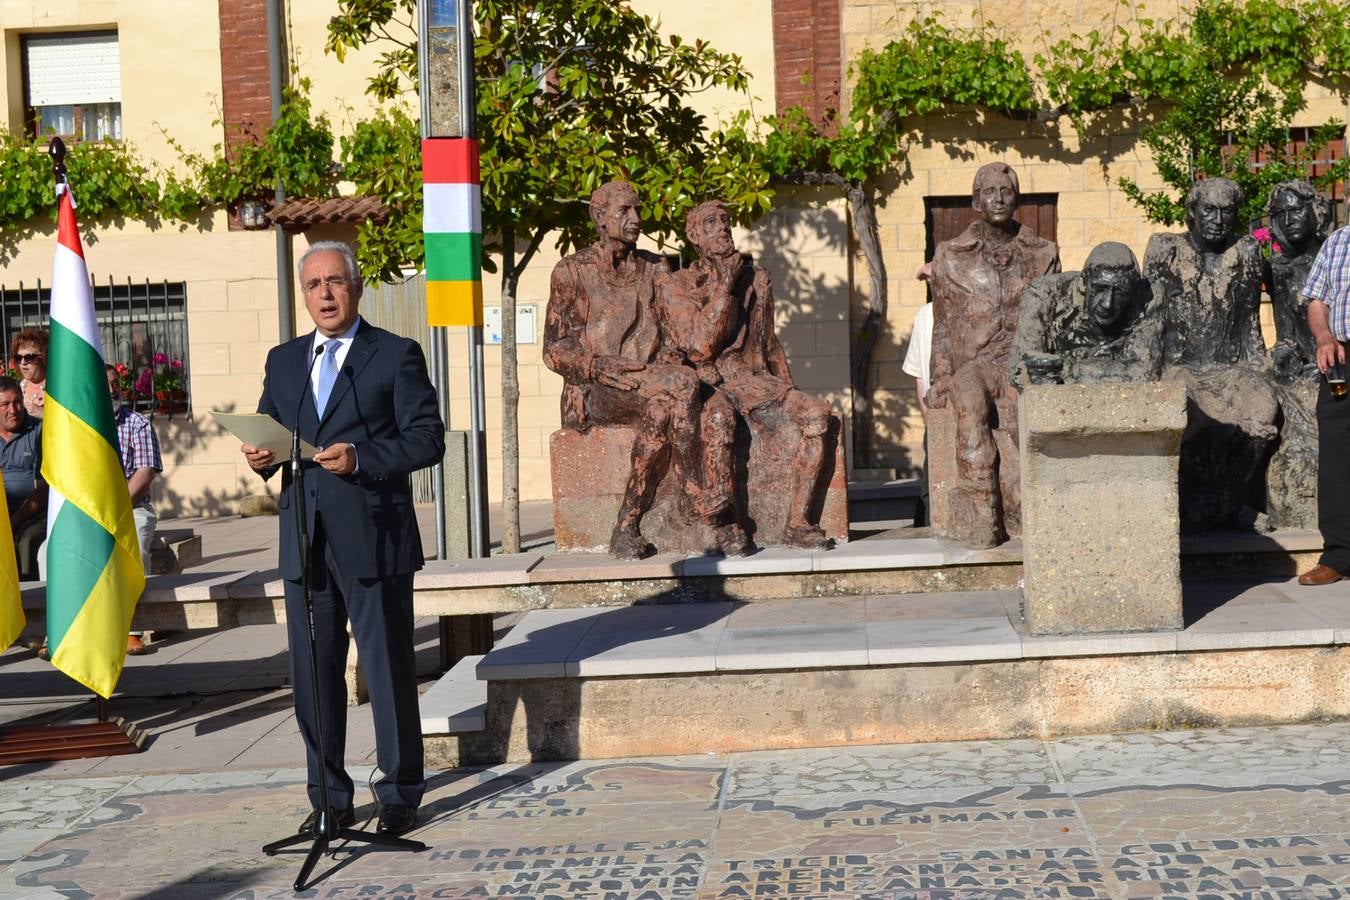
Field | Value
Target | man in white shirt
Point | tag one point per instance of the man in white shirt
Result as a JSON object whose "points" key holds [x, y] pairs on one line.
{"points": [[916, 364]]}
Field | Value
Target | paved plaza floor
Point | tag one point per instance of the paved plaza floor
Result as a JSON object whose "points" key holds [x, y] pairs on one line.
{"points": [[1241, 813], [1210, 813]]}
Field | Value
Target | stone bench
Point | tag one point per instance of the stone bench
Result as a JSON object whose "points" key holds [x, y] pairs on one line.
{"points": [[589, 472], [457, 702], [173, 550]]}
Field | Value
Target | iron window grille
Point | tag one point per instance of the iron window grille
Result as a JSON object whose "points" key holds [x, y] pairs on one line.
{"points": [[142, 325]]}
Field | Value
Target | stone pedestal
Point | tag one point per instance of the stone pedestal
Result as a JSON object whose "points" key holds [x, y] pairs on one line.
{"points": [[591, 469], [942, 475], [1100, 524]]}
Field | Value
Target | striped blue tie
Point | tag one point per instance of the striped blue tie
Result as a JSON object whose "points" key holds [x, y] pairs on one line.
{"points": [[327, 374]]}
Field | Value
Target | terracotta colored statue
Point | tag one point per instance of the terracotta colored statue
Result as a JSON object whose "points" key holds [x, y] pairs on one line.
{"points": [[1093, 325], [719, 315], [601, 334], [1208, 284], [977, 281]]}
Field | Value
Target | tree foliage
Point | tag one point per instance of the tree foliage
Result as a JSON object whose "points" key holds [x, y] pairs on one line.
{"points": [[570, 95]]}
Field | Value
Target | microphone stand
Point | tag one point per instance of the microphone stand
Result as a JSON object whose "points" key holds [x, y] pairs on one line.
{"points": [[326, 827]]}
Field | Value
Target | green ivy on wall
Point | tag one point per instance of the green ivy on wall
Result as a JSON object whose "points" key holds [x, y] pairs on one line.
{"points": [[111, 183], [1171, 75]]}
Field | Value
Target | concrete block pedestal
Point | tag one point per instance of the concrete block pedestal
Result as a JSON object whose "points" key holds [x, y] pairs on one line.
{"points": [[1100, 525]]}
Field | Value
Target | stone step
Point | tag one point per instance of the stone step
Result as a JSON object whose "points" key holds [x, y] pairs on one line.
{"points": [[725, 676], [886, 630], [174, 550], [457, 702]]}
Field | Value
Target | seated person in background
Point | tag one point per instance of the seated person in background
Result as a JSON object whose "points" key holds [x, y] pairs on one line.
{"points": [[1093, 325], [21, 462], [28, 348], [141, 463]]}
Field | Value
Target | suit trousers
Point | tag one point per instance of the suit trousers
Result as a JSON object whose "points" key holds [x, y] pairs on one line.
{"points": [[380, 611], [1333, 478]]}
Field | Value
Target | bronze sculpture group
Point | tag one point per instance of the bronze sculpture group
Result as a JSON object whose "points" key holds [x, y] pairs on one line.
{"points": [[1249, 448], [687, 359], [690, 362]]}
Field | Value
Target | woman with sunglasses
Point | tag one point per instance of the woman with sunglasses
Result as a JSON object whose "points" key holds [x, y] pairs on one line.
{"points": [[29, 350]]}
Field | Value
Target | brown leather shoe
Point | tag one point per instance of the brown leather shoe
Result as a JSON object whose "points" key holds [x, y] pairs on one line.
{"points": [[135, 646], [1319, 575]]}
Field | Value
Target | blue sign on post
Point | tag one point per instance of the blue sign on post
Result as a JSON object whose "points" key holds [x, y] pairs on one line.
{"points": [[442, 13]]}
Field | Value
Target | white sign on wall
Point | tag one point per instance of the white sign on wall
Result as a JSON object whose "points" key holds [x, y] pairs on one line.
{"points": [[527, 324]]}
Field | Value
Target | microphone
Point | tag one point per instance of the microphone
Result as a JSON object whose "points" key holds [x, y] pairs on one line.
{"points": [[308, 391]]}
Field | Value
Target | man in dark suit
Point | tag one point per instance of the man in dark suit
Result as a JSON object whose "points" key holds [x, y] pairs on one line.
{"points": [[362, 395]]}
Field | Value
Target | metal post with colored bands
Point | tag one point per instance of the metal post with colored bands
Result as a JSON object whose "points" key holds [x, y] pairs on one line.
{"points": [[452, 227]]}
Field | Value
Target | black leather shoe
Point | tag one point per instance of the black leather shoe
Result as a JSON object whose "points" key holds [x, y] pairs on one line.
{"points": [[396, 818], [346, 819]]}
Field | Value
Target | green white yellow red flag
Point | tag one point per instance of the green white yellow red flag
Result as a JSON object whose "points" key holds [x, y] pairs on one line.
{"points": [[11, 603], [94, 573], [452, 227]]}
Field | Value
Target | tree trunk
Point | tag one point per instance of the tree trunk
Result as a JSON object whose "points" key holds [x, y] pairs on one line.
{"points": [[861, 203], [865, 339], [510, 400]]}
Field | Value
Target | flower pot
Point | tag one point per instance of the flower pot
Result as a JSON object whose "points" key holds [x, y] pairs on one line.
{"points": [[169, 402]]}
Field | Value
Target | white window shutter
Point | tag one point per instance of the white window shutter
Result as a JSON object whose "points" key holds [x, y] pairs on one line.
{"points": [[73, 68]]}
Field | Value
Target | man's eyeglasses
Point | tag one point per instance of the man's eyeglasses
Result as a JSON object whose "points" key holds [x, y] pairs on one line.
{"points": [[334, 283], [29, 357]]}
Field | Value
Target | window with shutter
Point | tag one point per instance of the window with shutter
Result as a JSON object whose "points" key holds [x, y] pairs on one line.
{"points": [[74, 85]]}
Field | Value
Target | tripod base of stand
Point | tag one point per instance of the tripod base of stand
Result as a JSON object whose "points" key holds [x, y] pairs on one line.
{"points": [[325, 833]]}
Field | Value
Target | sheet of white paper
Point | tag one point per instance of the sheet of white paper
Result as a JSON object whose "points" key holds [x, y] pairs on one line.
{"points": [[262, 431]]}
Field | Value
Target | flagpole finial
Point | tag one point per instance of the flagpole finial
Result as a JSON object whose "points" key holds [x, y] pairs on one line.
{"points": [[57, 150]]}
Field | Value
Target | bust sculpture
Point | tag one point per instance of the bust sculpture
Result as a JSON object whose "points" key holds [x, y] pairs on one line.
{"points": [[1089, 326], [977, 280]]}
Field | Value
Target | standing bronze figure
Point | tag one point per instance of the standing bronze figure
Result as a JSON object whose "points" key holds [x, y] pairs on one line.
{"points": [[1299, 219], [1207, 282], [977, 281]]}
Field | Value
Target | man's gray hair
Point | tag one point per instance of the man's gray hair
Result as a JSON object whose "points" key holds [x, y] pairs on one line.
{"points": [[340, 247], [1219, 191]]}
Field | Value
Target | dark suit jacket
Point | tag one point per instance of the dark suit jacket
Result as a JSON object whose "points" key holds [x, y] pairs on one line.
{"points": [[384, 403]]}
